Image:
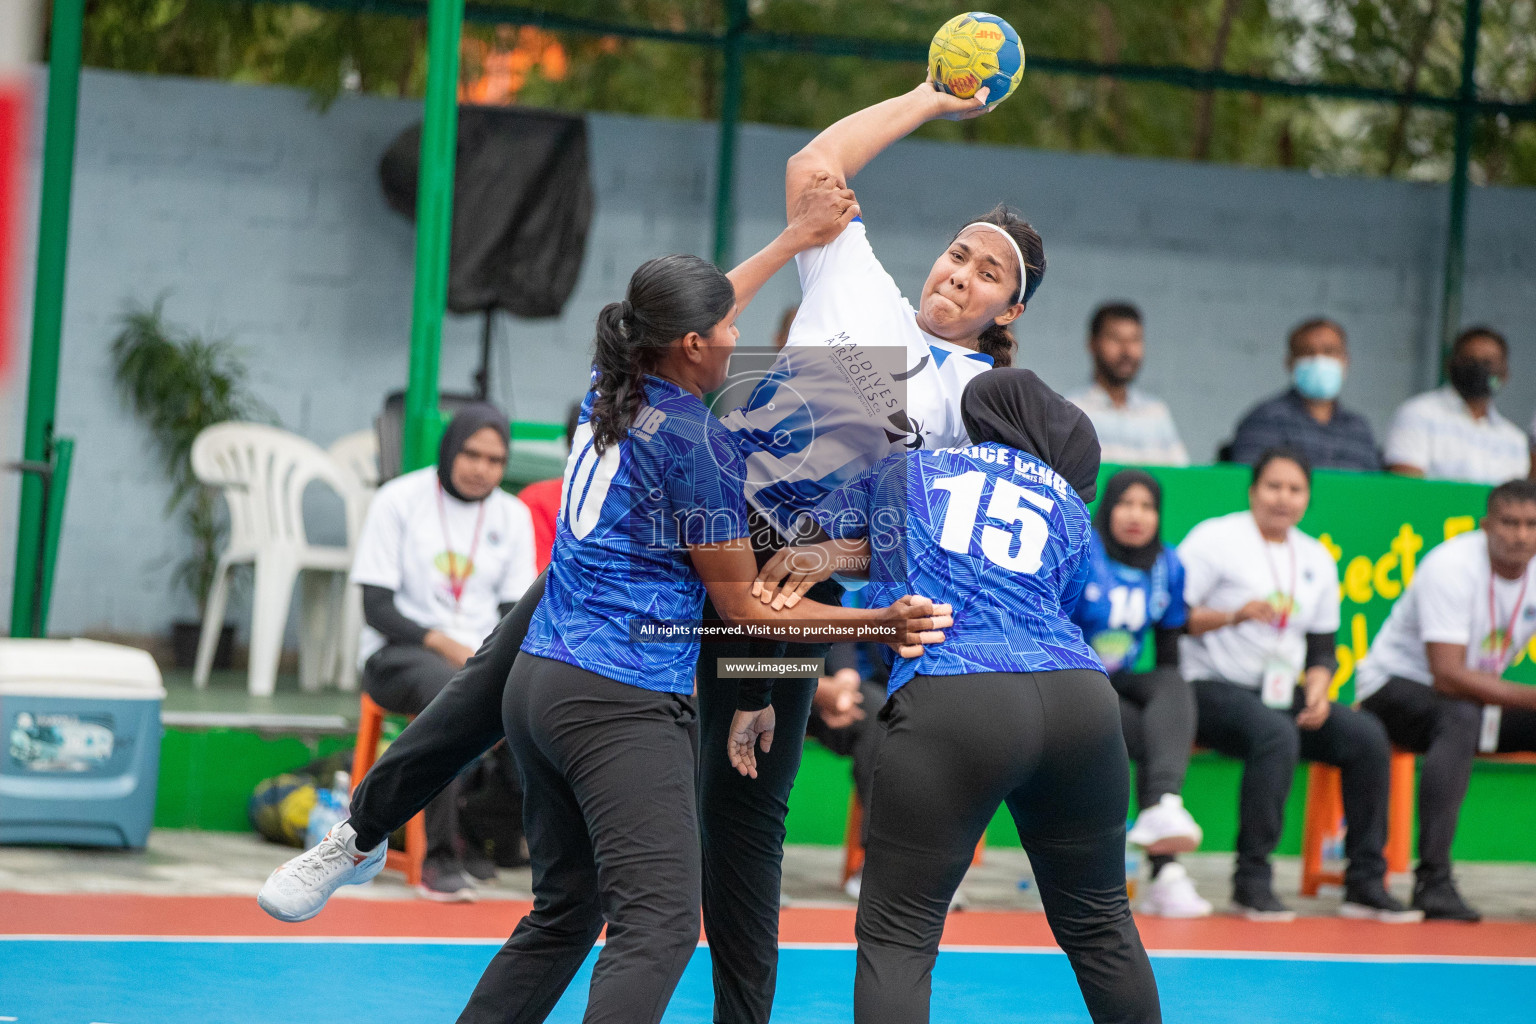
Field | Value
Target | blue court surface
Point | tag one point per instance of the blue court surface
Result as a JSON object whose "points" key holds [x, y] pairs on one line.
{"points": [[177, 981]]}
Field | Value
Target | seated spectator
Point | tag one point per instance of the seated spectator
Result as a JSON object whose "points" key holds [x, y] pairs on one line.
{"points": [[444, 553], [1433, 674], [1307, 417], [1134, 428], [543, 499], [1454, 432], [1135, 588], [1264, 609]]}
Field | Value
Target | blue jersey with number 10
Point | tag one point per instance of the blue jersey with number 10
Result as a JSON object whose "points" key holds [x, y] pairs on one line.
{"points": [[988, 529], [620, 561]]}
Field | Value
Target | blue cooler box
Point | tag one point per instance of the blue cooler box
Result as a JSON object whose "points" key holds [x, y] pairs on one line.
{"points": [[81, 725]]}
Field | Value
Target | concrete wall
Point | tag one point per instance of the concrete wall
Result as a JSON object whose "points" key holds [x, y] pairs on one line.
{"points": [[263, 219]]}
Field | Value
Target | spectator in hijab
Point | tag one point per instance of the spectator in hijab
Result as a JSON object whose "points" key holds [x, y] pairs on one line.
{"points": [[1135, 593], [1307, 417], [443, 554]]}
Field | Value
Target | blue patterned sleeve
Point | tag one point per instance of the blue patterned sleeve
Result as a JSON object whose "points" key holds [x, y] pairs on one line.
{"points": [[704, 487], [1177, 615]]}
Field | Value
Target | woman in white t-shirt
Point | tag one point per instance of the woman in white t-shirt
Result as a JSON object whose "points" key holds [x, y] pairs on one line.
{"points": [[1263, 613], [444, 553]]}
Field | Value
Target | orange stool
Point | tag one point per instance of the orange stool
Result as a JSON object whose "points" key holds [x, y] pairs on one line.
{"points": [[1325, 810], [370, 726], [853, 847]]}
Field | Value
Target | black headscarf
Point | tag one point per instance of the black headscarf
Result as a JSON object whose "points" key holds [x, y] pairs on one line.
{"points": [[463, 426], [1144, 557], [1014, 407]]}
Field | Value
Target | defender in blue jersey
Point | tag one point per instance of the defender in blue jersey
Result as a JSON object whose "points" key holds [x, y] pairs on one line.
{"points": [[599, 709], [1013, 708], [1133, 598]]}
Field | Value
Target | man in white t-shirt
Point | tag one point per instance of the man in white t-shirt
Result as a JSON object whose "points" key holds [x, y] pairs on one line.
{"points": [[443, 554], [1454, 432], [1134, 428], [1433, 674], [1263, 613]]}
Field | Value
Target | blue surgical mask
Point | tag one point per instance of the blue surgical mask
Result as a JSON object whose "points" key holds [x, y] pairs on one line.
{"points": [[1318, 377]]}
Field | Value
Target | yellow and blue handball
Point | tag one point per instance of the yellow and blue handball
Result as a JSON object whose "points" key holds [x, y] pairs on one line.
{"points": [[974, 51]]}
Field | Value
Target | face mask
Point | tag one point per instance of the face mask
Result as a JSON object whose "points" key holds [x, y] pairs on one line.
{"points": [[1472, 379], [1318, 377]]}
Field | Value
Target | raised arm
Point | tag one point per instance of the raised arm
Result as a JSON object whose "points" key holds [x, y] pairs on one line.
{"points": [[842, 150]]}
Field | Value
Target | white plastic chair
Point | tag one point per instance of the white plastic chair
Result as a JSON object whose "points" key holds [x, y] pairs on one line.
{"points": [[263, 472], [357, 456]]}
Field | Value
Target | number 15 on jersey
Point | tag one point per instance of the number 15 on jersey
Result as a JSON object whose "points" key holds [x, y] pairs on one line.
{"points": [[1009, 504]]}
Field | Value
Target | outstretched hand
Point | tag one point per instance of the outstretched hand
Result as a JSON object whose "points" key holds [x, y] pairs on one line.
{"points": [[749, 731]]}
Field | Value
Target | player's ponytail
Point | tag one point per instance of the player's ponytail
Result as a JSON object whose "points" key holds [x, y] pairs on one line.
{"points": [[997, 340], [668, 297]]}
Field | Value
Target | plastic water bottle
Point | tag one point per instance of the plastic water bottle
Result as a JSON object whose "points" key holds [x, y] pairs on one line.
{"points": [[331, 808], [1132, 866], [1333, 848]]}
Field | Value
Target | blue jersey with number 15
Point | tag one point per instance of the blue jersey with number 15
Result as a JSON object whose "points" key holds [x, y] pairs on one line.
{"points": [[988, 529]]}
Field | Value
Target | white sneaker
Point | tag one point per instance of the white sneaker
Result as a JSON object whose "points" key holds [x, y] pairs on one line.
{"points": [[1166, 828], [852, 886], [1172, 894], [298, 890]]}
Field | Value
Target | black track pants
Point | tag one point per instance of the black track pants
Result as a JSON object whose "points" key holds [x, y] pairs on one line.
{"points": [[741, 821], [1049, 746], [460, 724], [1235, 722], [1445, 730], [608, 777]]}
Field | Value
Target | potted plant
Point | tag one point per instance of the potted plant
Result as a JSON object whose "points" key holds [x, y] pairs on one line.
{"points": [[178, 384]]}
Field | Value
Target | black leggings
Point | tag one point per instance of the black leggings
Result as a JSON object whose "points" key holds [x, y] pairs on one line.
{"points": [[461, 723], [404, 679], [608, 770], [741, 820], [1048, 745]]}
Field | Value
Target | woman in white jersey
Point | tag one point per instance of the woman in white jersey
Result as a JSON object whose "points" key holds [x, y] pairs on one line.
{"points": [[864, 372], [919, 359]]}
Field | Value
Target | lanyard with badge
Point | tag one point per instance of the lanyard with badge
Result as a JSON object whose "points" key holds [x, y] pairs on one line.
{"points": [[1494, 657], [1278, 688], [457, 571]]}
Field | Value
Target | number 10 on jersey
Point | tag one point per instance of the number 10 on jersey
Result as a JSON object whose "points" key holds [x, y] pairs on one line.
{"points": [[1008, 504]]}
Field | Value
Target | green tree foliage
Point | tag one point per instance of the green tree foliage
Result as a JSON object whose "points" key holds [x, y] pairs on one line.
{"points": [[1412, 45]]}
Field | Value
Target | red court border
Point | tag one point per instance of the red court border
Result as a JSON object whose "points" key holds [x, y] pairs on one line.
{"points": [[87, 915]]}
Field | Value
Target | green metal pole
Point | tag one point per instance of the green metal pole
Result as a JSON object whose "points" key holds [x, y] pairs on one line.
{"points": [[1456, 230], [58, 490], [434, 227], [48, 299], [730, 119]]}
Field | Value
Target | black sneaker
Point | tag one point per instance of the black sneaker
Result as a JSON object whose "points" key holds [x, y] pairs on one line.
{"points": [[446, 882], [1440, 901], [1260, 905], [477, 864], [1372, 902]]}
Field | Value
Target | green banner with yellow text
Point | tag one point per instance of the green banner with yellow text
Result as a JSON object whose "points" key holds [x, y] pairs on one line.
{"points": [[1378, 527]]}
